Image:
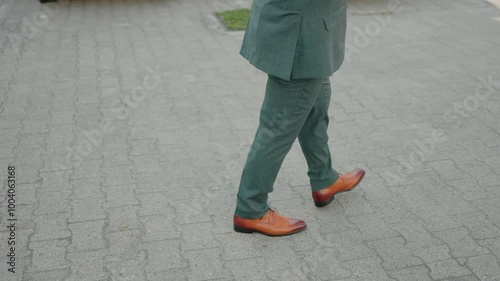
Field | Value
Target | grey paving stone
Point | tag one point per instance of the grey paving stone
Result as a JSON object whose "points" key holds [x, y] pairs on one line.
{"points": [[192, 132], [159, 227], [355, 204], [56, 180], [118, 175], [197, 236], [151, 185], [143, 147], [88, 209], [492, 244], [87, 188], [27, 193], [287, 274], [117, 137], [48, 255], [349, 245], [460, 243], [415, 234], [120, 195], [51, 226], [484, 175], [123, 245], [247, 269], [63, 145], [493, 189], [415, 273], [52, 275], [145, 164], [129, 269], [62, 117], [479, 225], [366, 269], [376, 189], [154, 204], [441, 224], [6, 151], [464, 185], [395, 212], [87, 169], [122, 218], [432, 253], [279, 255], [53, 202], [29, 155], [190, 211], [485, 267], [318, 264], [31, 141], [447, 170], [10, 122], [164, 255], [491, 207], [177, 170], [29, 173], [463, 278], [86, 236], [373, 227], [9, 136], [221, 177], [235, 249], [482, 193], [453, 203], [220, 221], [34, 126], [206, 264], [180, 274], [87, 265], [447, 268], [394, 253], [432, 213]]}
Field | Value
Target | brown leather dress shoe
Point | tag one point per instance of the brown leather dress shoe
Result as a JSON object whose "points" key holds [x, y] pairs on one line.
{"points": [[344, 183], [271, 224]]}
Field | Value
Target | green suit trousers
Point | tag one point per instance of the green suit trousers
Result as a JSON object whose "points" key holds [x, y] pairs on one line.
{"points": [[291, 109]]}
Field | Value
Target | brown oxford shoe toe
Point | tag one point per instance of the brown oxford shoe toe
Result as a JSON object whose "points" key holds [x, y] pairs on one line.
{"points": [[344, 183], [271, 224]]}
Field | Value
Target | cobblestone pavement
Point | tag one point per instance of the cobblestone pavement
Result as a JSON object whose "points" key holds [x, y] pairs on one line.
{"points": [[128, 123]]}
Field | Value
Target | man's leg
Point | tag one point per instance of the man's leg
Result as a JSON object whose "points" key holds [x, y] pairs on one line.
{"points": [[284, 110], [313, 139]]}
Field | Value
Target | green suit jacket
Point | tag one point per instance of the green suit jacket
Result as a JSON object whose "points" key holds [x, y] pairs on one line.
{"points": [[296, 38]]}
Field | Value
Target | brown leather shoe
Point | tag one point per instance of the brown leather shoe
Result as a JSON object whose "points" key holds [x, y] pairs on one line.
{"points": [[271, 224], [344, 183]]}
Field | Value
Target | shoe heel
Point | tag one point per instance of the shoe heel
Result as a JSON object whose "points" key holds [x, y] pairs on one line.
{"points": [[324, 203], [242, 229]]}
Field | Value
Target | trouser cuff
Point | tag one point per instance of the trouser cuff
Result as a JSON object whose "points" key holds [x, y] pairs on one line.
{"points": [[324, 183]]}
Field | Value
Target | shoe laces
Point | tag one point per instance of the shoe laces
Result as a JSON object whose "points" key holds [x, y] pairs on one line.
{"points": [[271, 213]]}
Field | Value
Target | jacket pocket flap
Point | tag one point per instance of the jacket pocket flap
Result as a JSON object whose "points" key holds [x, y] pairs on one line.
{"points": [[332, 20]]}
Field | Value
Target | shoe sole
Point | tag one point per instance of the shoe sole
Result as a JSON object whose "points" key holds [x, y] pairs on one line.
{"points": [[324, 203], [249, 230]]}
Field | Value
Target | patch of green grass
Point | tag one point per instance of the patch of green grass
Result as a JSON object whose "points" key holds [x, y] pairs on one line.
{"points": [[235, 19]]}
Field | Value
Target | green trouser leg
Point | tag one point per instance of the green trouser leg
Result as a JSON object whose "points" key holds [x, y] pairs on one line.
{"points": [[290, 109], [313, 139]]}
